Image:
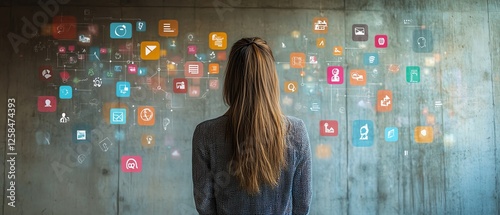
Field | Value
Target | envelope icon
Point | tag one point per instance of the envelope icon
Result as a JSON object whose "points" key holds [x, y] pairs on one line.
{"points": [[118, 116], [359, 31]]}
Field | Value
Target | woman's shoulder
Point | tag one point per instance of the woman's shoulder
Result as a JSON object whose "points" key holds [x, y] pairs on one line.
{"points": [[218, 121]]}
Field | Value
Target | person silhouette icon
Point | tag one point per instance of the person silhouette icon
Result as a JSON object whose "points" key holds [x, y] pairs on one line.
{"points": [[48, 103], [64, 119]]}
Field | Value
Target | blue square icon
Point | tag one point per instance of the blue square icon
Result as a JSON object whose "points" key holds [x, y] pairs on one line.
{"points": [[95, 54], [370, 59], [422, 41], [391, 134], [65, 92], [122, 89], [118, 68], [142, 71], [362, 133], [118, 116], [120, 30], [140, 26]]}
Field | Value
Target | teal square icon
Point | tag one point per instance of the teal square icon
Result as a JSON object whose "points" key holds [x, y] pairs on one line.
{"points": [[370, 59], [362, 133], [391, 134], [412, 74], [120, 30], [140, 26], [118, 116]]}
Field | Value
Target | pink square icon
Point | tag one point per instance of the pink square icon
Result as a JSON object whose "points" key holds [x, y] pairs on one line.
{"points": [[381, 41], [131, 163], [103, 50], [193, 69], [47, 103], [192, 49], [213, 84], [71, 48], [328, 128], [132, 68], [335, 74], [62, 49], [194, 91]]}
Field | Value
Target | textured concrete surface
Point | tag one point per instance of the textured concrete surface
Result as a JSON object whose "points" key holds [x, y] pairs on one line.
{"points": [[456, 172]]}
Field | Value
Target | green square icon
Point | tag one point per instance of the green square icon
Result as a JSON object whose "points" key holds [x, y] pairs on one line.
{"points": [[413, 74]]}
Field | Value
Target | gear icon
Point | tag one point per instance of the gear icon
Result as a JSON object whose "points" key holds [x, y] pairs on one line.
{"points": [[97, 82]]}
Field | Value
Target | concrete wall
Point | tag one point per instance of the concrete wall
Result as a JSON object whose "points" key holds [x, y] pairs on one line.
{"points": [[455, 173]]}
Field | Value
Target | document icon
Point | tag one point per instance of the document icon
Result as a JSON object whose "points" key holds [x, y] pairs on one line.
{"points": [[118, 116]]}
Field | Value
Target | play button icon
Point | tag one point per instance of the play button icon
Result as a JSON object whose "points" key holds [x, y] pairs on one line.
{"points": [[150, 50]]}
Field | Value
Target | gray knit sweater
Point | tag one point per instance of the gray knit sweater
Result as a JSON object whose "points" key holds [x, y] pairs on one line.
{"points": [[218, 192]]}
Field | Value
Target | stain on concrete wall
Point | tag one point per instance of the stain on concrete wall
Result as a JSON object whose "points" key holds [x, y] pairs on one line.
{"points": [[102, 99]]}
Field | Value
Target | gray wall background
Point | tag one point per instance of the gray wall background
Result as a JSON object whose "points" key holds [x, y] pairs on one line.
{"points": [[455, 174]]}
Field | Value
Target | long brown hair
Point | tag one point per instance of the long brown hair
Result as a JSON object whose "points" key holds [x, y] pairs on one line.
{"points": [[256, 125]]}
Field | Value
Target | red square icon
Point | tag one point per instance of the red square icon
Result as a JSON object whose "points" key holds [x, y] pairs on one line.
{"points": [[64, 27], [221, 56], [131, 163], [381, 41], [47, 103], [193, 69], [180, 85], [328, 127]]}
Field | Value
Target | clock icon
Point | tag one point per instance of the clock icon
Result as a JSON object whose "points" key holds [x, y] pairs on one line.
{"points": [[121, 30]]}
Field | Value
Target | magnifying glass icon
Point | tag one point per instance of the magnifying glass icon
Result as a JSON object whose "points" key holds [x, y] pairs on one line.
{"points": [[291, 87]]}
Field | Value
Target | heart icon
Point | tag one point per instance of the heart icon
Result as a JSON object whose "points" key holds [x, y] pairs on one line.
{"points": [[423, 132]]}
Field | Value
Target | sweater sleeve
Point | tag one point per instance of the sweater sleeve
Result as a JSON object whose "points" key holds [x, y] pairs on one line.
{"points": [[302, 183], [203, 180]]}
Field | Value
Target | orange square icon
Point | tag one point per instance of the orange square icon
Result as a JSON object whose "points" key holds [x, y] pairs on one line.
{"points": [[321, 42], [323, 151], [217, 40], [148, 140], [320, 25], [338, 51], [424, 134], [213, 68], [357, 77], [168, 28], [150, 50], [384, 100], [297, 60], [291, 86], [146, 115]]}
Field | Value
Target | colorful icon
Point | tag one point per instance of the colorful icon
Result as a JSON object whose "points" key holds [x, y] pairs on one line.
{"points": [[362, 133], [148, 140], [359, 32], [192, 49], [65, 92], [168, 28], [47, 103], [213, 84], [117, 116], [194, 91], [131, 163], [217, 40], [213, 68], [320, 25], [338, 51], [391, 134], [424, 134], [45, 73], [328, 127], [150, 50], [384, 101], [422, 41], [323, 151], [81, 133], [95, 54], [335, 74], [321, 42], [140, 26], [381, 41], [142, 71], [357, 77], [291, 87], [180, 85], [122, 89], [370, 59], [412, 74], [106, 110], [120, 30], [118, 68], [297, 60], [221, 56], [64, 27], [132, 68], [193, 69], [146, 115]]}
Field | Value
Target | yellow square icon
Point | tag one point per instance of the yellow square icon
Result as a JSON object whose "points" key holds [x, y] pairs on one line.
{"points": [[424, 134], [337, 51], [148, 140], [321, 42], [320, 25], [150, 50], [217, 40], [291, 86], [213, 68], [297, 60], [168, 28]]}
